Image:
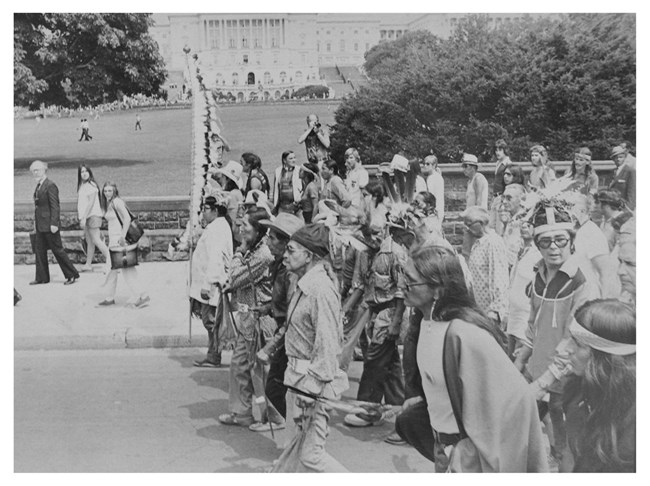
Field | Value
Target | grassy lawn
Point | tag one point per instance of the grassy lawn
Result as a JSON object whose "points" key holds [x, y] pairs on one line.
{"points": [[156, 160]]}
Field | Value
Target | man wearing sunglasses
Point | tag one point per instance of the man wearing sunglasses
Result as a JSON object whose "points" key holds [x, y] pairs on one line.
{"points": [[558, 288]]}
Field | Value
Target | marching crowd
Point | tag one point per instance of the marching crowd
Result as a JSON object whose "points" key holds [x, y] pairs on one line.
{"points": [[526, 336]]}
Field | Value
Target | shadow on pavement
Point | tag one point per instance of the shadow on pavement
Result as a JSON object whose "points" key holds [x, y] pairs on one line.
{"points": [[247, 446]]}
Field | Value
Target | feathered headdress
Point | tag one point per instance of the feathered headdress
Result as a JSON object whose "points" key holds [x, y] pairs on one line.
{"points": [[401, 215], [549, 208]]}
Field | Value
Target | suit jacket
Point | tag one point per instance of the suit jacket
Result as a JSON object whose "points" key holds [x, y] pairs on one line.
{"points": [[47, 212], [625, 183]]}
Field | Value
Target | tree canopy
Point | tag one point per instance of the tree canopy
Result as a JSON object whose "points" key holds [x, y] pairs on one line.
{"points": [[79, 59], [563, 82]]}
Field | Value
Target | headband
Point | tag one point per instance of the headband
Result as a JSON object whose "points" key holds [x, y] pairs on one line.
{"points": [[553, 227], [600, 343]]}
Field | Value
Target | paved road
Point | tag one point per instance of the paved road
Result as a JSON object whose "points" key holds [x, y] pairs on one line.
{"points": [[149, 410]]}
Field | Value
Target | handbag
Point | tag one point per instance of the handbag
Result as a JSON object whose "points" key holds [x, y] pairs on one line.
{"points": [[123, 256], [135, 231]]}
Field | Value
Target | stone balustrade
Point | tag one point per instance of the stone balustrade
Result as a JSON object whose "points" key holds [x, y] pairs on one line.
{"points": [[166, 217]]}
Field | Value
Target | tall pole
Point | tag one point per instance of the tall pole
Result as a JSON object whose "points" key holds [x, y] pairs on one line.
{"points": [[186, 50]]}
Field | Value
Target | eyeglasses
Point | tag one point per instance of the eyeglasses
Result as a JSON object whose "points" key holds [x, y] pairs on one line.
{"points": [[470, 224], [410, 286], [560, 242]]}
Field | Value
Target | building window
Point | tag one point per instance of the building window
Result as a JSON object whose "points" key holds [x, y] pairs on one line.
{"points": [[356, 32], [382, 34], [267, 77], [244, 31], [231, 33], [328, 47], [328, 32], [235, 79], [356, 46], [245, 59], [317, 46], [283, 77], [302, 40], [298, 76], [342, 45], [258, 32], [274, 32], [214, 34]]}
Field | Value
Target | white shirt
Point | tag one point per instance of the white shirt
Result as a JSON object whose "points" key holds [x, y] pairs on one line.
{"points": [[355, 180], [211, 260], [590, 243], [88, 200], [436, 186]]}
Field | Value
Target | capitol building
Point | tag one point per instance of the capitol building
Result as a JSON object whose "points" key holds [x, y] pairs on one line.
{"points": [[267, 56]]}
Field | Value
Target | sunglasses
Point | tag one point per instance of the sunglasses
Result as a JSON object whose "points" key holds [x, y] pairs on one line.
{"points": [[560, 242]]}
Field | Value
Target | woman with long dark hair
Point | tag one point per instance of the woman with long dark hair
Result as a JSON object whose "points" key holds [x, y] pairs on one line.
{"points": [[600, 396], [119, 219], [256, 178], [250, 284], [582, 174], [465, 391], [89, 211]]}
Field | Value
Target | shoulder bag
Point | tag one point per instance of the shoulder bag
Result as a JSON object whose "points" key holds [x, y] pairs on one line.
{"points": [[135, 231]]}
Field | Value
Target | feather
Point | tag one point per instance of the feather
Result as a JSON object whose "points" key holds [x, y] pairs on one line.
{"points": [[409, 186], [390, 188]]}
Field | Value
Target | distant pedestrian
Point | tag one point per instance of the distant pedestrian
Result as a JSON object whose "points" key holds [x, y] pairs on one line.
{"points": [[47, 221], [85, 135], [138, 124]]}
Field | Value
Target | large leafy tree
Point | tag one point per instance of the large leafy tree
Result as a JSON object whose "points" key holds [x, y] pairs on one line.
{"points": [[563, 82], [84, 58]]}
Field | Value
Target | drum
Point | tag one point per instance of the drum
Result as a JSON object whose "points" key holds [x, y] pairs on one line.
{"points": [[124, 256]]}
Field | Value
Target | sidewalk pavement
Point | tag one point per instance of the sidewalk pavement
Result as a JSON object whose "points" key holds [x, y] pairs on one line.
{"points": [[57, 316]]}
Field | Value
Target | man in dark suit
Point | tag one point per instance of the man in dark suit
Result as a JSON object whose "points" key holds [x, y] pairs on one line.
{"points": [[624, 180], [47, 222]]}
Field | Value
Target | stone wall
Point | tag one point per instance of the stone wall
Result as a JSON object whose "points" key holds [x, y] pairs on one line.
{"points": [[166, 217]]}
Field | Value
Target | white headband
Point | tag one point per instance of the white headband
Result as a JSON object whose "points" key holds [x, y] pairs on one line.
{"points": [[600, 343], [552, 227]]}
